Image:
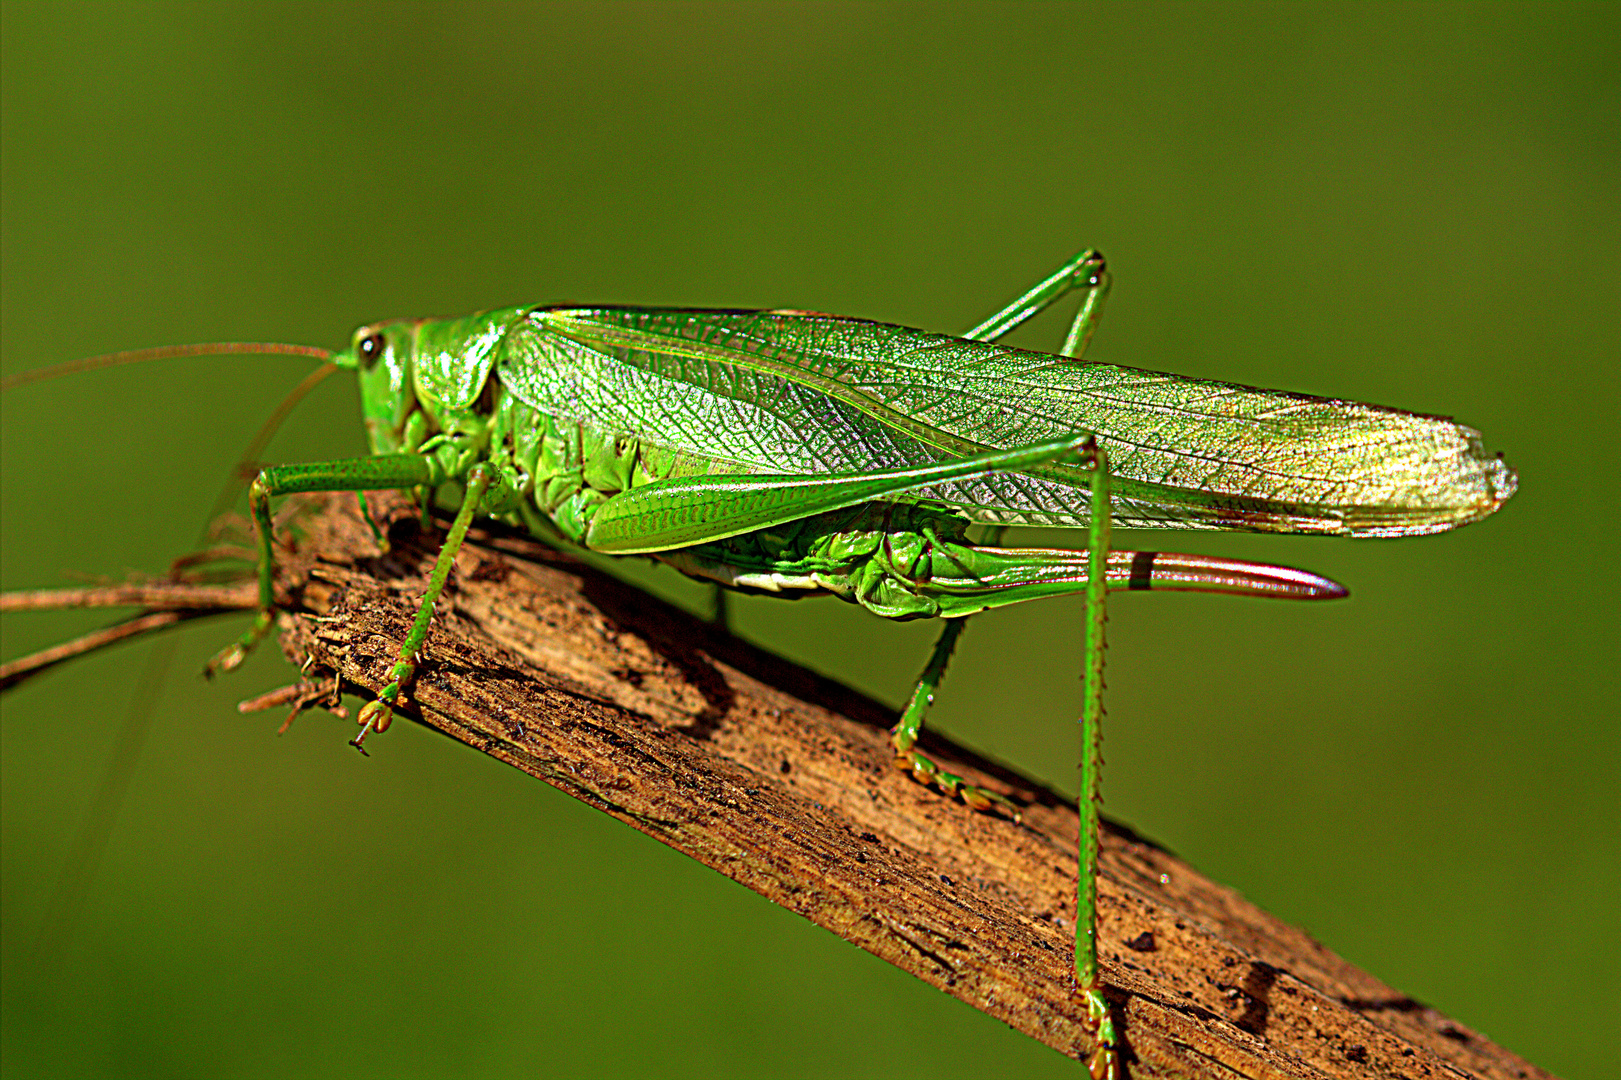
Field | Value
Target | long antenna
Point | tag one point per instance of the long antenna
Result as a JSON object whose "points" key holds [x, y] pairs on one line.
{"points": [[162, 352]]}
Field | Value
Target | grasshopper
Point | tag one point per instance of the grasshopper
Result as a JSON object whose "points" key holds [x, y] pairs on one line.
{"points": [[789, 452]]}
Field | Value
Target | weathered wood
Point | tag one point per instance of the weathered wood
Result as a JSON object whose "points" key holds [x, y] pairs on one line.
{"points": [[784, 781]]}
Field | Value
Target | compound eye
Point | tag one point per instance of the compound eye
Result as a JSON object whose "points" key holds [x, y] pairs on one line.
{"points": [[370, 349]]}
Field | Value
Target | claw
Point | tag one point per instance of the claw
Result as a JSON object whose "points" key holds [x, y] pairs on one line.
{"points": [[929, 774], [1104, 1063], [227, 659], [374, 716]]}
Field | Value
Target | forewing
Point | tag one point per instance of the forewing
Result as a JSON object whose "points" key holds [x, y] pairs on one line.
{"points": [[791, 392]]}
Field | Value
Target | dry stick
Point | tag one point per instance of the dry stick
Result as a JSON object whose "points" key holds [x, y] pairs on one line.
{"points": [[784, 781], [167, 604], [158, 595], [15, 671]]}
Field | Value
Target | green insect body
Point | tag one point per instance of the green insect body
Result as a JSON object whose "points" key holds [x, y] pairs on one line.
{"points": [[725, 392], [794, 452], [573, 408]]}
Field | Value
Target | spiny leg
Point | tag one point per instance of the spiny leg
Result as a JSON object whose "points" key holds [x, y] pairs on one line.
{"points": [[1086, 271], [354, 474], [377, 715], [1104, 1058], [377, 534], [1091, 311], [1104, 1063], [904, 735], [906, 732]]}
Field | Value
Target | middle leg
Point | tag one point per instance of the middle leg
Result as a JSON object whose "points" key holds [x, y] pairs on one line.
{"points": [[904, 735], [1087, 272]]}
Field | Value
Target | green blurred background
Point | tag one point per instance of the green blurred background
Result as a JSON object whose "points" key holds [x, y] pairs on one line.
{"points": [[1413, 205]]}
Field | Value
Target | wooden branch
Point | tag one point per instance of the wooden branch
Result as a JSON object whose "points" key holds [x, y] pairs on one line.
{"points": [[169, 603], [159, 595], [784, 781]]}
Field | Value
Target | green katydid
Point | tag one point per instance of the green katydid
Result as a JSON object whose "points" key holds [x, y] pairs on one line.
{"points": [[780, 451]]}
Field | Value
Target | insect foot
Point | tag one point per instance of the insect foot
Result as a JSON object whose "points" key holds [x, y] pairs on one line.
{"points": [[929, 774], [1104, 1064], [231, 657], [378, 715]]}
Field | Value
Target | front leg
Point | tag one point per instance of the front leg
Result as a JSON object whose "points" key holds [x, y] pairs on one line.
{"points": [[354, 474], [377, 715]]}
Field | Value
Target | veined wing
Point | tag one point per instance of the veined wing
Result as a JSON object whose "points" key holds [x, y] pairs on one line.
{"points": [[779, 392]]}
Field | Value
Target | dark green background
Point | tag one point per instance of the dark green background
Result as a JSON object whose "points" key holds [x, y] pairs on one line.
{"points": [[1412, 205]]}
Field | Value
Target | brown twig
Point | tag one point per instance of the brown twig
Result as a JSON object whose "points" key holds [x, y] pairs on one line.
{"points": [[155, 595], [15, 671], [784, 782], [167, 604]]}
